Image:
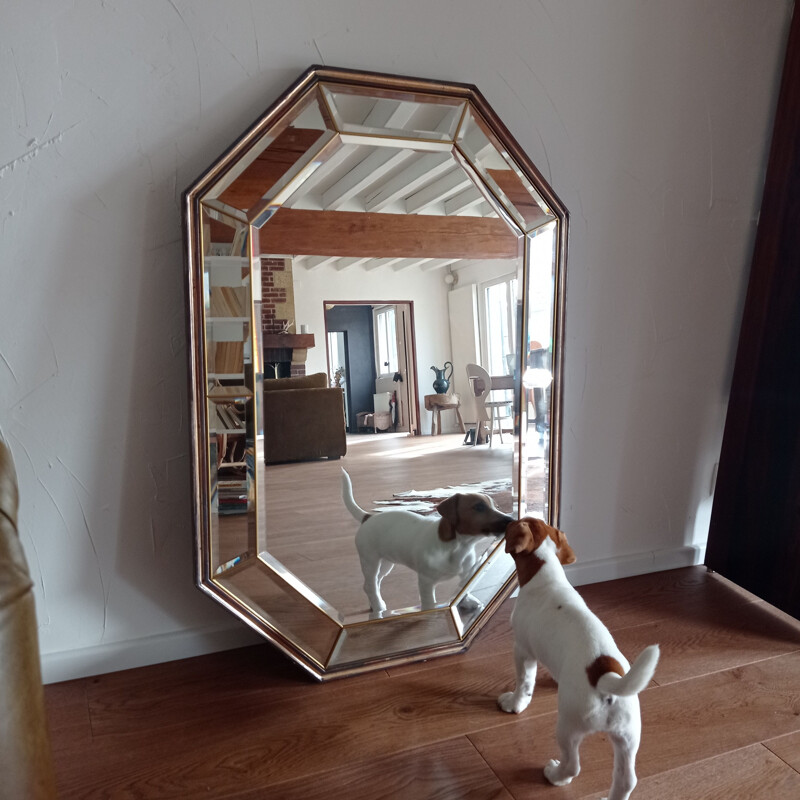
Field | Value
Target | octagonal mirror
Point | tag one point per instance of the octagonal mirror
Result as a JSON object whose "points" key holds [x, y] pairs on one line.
{"points": [[375, 277]]}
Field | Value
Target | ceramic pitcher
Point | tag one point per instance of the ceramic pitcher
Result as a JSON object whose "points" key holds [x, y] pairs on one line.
{"points": [[442, 382]]}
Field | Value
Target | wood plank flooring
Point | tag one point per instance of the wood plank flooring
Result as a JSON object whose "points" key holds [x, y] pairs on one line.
{"points": [[312, 534], [722, 719]]}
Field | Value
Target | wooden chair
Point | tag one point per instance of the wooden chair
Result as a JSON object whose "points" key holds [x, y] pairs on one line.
{"points": [[487, 411]]}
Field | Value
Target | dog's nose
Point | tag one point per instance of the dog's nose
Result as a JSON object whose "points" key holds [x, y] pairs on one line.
{"points": [[504, 522]]}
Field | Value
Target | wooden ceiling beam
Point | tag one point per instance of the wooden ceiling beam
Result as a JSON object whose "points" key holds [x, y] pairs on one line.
{"points": [[355, 234]]}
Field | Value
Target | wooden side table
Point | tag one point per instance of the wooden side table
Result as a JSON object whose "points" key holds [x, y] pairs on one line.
{"points": [[436, 403]]}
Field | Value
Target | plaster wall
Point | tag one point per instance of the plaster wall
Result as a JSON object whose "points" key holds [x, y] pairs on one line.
{"points": [[650, 120]]}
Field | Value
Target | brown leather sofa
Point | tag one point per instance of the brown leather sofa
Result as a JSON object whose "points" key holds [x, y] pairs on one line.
{"points": [[303, 419], [26, 769]]}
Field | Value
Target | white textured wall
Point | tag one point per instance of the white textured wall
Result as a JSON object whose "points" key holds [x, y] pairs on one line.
{"points": [[649, 119]]}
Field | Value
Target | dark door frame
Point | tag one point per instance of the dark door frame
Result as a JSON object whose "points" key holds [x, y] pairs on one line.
{"points": [[409, 385], [754, 535]]}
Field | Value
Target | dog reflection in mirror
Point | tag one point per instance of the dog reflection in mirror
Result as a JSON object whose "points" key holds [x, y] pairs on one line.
{"points": [[436, 548], [597, 688]]}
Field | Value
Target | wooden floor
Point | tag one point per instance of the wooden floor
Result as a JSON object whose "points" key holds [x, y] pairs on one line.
{"points": [[312, 534], [721, 721]]}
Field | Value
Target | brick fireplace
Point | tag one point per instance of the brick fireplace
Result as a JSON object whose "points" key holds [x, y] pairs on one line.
{"points": [[284, 353]]}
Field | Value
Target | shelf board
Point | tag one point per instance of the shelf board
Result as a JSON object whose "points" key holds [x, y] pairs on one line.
{"points": [[226, 261]]}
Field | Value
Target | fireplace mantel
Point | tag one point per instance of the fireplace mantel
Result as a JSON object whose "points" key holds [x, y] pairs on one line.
{"points": [[289, 349], [291, 341]]}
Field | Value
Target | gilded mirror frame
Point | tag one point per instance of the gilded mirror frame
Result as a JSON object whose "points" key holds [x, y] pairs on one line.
{"points": [[288, 613]]}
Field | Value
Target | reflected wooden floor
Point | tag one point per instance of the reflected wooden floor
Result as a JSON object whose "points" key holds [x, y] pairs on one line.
{"points": [[722, 719], [312, 534]]}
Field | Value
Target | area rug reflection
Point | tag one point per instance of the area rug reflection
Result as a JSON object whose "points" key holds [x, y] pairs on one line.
{"points": [[425, 501]]}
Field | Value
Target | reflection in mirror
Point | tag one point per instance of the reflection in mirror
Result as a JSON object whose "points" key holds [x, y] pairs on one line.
{"points": [[365, 232]]}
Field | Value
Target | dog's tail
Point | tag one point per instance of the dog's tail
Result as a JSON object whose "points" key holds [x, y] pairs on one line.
{"points": [[637, 677], [347, 495]]}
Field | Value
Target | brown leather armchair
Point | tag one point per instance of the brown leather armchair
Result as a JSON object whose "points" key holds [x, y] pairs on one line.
{"points": [[303, 419], [26, 769]]}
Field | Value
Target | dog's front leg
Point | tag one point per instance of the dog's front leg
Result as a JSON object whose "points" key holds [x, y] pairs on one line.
{"points": [[469, 602], [517, 701], [427, 592]]}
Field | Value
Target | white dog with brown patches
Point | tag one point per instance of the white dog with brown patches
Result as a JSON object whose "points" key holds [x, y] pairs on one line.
{"points": [[597, 688], [436, 548]]}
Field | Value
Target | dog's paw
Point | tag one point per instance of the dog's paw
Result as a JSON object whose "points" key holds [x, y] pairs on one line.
{"points": [[470, 603], [507, 702], [552, 772]]}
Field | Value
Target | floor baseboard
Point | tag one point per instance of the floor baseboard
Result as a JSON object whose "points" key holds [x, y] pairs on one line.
{"points": [[609, 569], [87, 661]]}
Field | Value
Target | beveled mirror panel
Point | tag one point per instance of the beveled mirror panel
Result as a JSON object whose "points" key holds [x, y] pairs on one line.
{"points": [[375, 283]]}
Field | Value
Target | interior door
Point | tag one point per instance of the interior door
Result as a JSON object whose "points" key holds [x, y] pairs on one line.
{"points": [[339, 369], [399, 377], [356, 320], [754, 537], [406, 330]]}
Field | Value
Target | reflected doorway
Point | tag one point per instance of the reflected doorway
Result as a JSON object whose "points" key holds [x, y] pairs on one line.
{"points": [[371, 354]]}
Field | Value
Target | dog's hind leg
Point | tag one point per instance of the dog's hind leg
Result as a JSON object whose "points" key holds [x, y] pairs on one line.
{"points": [[384, 568], [518, 700], [371, 568], [624, 780], [560, 773]]}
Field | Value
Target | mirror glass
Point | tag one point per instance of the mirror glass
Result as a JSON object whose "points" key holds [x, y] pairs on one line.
{"points": [[375, 285]]}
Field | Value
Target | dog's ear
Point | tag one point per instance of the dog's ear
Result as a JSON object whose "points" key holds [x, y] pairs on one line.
{"points": [[448, 509], [519, 537], [566, 555]]}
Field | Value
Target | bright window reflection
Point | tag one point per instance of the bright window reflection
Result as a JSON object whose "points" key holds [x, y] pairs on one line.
{"points": [[386, 340], [540, 294], [500, 304]]}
